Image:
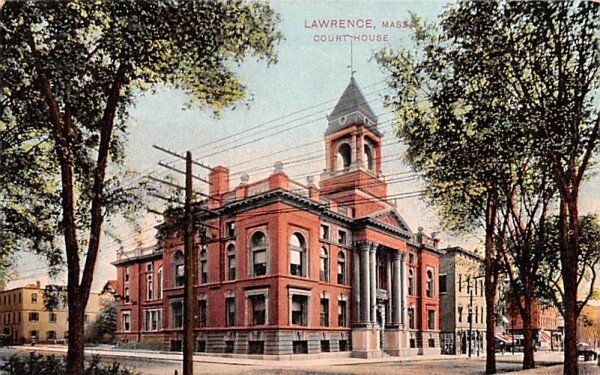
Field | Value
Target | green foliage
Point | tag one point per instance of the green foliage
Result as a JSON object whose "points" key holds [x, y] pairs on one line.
{"points": [[37, 364], [55, 297], [550, 285], [104, 329], [82, 49]]}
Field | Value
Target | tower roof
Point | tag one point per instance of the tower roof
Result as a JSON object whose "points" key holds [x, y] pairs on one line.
{"points": [[352, 100]]}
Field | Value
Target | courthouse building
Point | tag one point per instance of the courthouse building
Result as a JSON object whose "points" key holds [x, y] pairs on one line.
{"points": [[292, 267]]}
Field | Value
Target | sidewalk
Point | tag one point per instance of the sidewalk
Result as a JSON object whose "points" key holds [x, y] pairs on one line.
{"points": [[329, 359]]}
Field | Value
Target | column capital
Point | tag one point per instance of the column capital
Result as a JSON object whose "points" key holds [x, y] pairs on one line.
{"points": [[373, 246], [364, 245], [403, 257]]}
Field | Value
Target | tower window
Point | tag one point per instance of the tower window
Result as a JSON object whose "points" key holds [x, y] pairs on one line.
{"points": [[344, 156], [369, 157]]}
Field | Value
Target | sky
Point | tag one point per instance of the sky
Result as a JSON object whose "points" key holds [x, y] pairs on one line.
{"points": [[288, 107]]}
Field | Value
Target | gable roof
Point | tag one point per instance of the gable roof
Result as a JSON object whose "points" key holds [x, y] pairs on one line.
{"points": [[392, 216]]}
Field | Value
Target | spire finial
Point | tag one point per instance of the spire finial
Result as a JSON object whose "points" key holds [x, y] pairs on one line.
{"points": [[351, 66]]}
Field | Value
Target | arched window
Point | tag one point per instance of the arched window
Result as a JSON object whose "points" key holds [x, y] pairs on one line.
{"points": [[258, 252], [341, 268], [344, 156], [203, 266], [231, 262], [411, 282], [369, 157], [297, 255], [159, 276], [324, 269], [178, 269], [430, 286]]}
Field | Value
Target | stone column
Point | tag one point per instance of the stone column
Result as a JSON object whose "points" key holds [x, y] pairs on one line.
{"points": [[373, 283], [404, 286], [397, 304], [388, 287], [356, 286], [365, 294], [354, 152]]}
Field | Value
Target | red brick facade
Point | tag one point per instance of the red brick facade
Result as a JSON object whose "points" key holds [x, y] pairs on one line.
{"points": [[292, 268]]}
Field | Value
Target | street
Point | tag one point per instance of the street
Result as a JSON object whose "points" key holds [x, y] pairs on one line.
{"points": [[160, 363]]}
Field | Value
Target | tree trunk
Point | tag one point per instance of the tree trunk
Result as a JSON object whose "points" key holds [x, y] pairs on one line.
{"points": [[528, 346], [569, 231], [490, 287], [75, 355]]}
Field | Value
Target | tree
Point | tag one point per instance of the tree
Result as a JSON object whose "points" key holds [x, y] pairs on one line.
{"points": [[104, 329], [551, 286], [457, 138], [545, 60], [70, 72]]}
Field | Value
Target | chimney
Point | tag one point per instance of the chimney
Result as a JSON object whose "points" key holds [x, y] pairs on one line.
{"points": [[38, 284], [420, 235], [219, 185]]}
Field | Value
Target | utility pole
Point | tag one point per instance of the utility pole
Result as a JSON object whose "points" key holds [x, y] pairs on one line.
{"points": [[470, 316], [189, 234]]}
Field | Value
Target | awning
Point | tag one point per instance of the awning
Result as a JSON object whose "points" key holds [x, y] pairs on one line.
{"points": [[503, 338], [544, 336]]}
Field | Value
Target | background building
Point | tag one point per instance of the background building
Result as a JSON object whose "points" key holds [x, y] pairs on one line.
{"points": [[546, 324], [462, 298], [24, 319], [289, 267]]}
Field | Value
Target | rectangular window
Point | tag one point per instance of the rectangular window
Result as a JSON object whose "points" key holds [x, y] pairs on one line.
{"points": [[300, 347], [149, 288], [325, 348], [344, 347], [230, 311], [256, 347], [202, 313], [460, 314], [34, 317], [259, 310], [179, 275], [126, 296], [342, 314], [411, 258], [126, 274], [33, 298], [300, 310], [324, 312], [231, 267], [431, 319], [324, 232], [159, 292], [177, 314], [149, 267], [342, 237], [33, 334], [152, 320], [460, 283], [229, 346], [230, 229], [52, 317], [481, 288], [411, 318], [126, 318], [296, 262], [431, 343], [259, 262], [443, 284]]}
